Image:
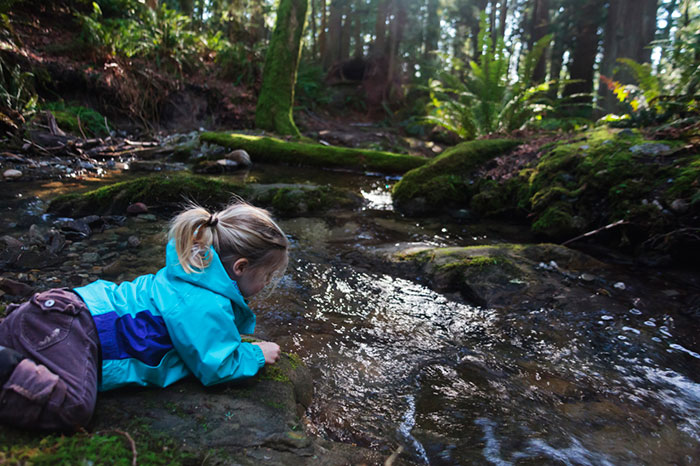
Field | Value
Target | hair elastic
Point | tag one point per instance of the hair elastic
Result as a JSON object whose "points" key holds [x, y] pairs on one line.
{"points": [[213, 221]]}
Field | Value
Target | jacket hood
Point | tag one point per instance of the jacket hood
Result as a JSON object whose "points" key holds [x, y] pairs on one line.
{"points": [[213, 278]]}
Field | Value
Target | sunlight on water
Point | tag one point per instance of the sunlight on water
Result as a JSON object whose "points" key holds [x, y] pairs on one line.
{"points": [[456, 384]]}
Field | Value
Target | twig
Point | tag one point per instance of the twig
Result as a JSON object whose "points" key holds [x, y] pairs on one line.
{"points": [[591, 233], [390, 460], [80, 127], [128, 437], [109, 132]]}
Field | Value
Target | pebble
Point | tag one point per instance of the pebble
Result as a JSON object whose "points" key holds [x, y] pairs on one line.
{"points": [[680, 206], [137, 208], [90, 257], [587, 277], [619, 286], [12, 174], [133, 241]]}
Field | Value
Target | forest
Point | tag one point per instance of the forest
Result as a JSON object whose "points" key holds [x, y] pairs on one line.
{"points": [[493, 210]]}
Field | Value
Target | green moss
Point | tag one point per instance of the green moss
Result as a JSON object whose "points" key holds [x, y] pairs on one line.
{"points": [[445, 180], [171, 191], [686, 183], [294, 360], [274, 373], [556, 221], [271, 150], [91, 121], [568, 182], [105, 448], [274, 108]]}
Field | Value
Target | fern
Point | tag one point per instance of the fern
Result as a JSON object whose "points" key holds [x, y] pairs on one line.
{"points": [[485, 101]]}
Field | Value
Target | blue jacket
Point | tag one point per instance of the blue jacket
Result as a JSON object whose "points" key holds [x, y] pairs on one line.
{"points": [[160, 328]]}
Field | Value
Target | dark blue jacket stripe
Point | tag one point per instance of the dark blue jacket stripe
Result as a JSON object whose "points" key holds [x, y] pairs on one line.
{"points": [[142, 336]]}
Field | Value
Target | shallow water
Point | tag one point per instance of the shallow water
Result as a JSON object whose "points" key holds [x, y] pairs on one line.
{"points": [[396, 363]]}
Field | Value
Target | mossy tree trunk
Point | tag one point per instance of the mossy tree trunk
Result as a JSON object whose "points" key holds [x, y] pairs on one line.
{"points": [[274, 109]]}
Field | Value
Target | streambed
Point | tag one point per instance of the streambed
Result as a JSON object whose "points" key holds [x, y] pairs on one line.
{"points": [[398, 364]]}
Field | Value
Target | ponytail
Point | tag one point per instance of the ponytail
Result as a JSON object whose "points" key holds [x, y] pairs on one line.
{"points": [[240, 230]]}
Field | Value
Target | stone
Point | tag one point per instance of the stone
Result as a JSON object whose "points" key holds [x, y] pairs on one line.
{"points": [[680, 206], [239, 156], [75, 230], [651, 148], [11, 242], [36, 237], [55, 241], [12, 174], [15, 288], [133, 241], [137, 208], [90, 257]]}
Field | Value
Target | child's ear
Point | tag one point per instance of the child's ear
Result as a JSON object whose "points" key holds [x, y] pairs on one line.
{"points": [[240, 266]]}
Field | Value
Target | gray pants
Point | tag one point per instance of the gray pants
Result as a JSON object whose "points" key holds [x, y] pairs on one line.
{"points": [[55, 388]]}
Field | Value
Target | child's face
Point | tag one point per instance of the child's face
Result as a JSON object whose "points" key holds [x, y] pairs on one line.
{"points": [[251, 280]]}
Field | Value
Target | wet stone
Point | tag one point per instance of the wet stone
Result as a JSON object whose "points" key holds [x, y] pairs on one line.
{"points": [[12, 174], [90, 257], [133, 241]]}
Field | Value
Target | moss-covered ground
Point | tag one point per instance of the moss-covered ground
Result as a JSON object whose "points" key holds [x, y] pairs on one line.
{"points": [[110, 447], [271, 150], [448, 179], [172, 191]]}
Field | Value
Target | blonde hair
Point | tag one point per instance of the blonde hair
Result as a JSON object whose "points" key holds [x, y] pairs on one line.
{"points": [[238, 231]]}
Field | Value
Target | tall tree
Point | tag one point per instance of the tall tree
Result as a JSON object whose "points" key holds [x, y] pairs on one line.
{"points": [[589, 17], [539, 27], [334, 41], [629, 29], [276, 100]]}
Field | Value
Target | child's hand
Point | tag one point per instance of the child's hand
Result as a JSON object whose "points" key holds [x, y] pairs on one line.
{"points": [[270, 350]]}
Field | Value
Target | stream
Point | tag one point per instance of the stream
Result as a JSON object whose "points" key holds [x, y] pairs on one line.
{"points": [[398, 364]]}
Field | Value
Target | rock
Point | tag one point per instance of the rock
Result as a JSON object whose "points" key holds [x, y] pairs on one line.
{"points": [[113, 269], [55, 241], [137, 208], [499, 275], [12, 174], [216, 166], [133, 241], [36, 237], [239, 156], [15, 288], [680, 206], [154, 166], [11, 242], [90, 257], [651, 148], [75, 230], [146, 218]]}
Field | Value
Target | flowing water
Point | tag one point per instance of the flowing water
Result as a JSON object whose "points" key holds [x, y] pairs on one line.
{"points": [[396, 363]]}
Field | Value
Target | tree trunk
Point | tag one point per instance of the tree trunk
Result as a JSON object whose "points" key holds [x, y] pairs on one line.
{"points": [[346, 32], [276, 100], [502, 19], [539, 27], [314, 34], [629, 30], [432, 31], [186, 7], [379, 46], [335, 32], [395, 38], [581, 68], [357, 29], [322, 34]]}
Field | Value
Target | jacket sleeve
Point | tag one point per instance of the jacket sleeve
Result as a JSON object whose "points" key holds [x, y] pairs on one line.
{"points": [[209, 343]]}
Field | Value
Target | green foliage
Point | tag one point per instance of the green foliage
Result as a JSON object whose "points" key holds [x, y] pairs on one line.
{"points": [[91, 121], [239, 62], [17, 90], [108, 448], [671, 92], [486, 101], [162, 35], [310, 89]]}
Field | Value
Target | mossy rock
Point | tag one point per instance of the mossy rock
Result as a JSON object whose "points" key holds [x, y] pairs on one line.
{"points": [[446, 181], [170, 193], [605, 176], [271, 150], [496, 275]]}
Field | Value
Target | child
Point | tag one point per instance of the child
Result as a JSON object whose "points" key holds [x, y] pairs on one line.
{"points": [[186, 319]]}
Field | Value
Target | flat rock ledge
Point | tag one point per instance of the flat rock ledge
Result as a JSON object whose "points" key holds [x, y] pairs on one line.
{"points": [[257, 421]]}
